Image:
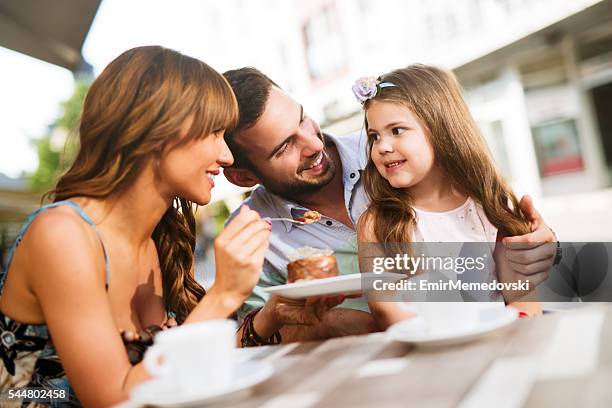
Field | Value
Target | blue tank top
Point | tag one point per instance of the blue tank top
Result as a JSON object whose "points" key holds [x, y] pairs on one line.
{"points": [[28, 356]]}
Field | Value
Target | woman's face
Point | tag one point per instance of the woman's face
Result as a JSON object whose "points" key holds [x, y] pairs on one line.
{"points": [[401, 150], [189, 169]]}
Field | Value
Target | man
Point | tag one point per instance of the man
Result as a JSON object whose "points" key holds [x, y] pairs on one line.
{"points": [[298, 168]]}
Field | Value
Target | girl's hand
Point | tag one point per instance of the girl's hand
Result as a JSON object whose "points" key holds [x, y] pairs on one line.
{"points": [[239, 255]]}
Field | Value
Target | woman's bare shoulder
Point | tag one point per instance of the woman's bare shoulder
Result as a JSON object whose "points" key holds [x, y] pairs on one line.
{"points": [[59, 225], [59, 237]]}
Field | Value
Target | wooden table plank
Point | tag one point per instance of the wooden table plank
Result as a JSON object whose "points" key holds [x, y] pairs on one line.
{"points": [[597, 392], [529, 336], [436, 376], [564, 393], [327, 374], [581, 389], [319, 370], [605, 344]]}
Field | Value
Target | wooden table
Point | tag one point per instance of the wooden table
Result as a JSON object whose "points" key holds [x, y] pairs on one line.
{"points": [[563, 359]]}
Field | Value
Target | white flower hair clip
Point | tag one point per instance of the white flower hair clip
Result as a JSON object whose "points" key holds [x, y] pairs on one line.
{"points": [[367, 87]]}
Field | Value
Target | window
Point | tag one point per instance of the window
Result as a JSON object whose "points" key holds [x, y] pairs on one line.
{"points": [[452, 29], [505, 5], [323, 44], [475, 14], [557, 148]]}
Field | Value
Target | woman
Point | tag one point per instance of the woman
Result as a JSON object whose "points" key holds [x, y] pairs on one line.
{"points": [[110, 262]]}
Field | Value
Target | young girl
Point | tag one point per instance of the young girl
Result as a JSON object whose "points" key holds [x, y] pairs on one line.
{"points": [[96, 274], [430, 176]]}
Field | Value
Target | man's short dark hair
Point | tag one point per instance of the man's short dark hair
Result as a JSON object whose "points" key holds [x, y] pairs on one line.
{"points": [[252, 89]]}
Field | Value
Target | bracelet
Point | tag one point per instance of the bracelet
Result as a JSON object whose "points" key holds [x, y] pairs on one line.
{"points": [[559, 251], [250, 338], [558, 255]]}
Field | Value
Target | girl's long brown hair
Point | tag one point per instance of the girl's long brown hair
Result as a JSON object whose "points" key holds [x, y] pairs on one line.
{"points": [[133, 112], [434, 96]]}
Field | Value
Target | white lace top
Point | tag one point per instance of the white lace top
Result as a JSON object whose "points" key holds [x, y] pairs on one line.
{"points": [[467, 223], [464, 224]]}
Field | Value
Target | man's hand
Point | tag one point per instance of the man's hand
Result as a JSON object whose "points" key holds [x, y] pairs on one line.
{"points": [[308, 311], [532, 254], [280, 312]]}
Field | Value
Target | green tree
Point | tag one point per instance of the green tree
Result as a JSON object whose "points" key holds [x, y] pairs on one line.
{"points": [[48, 164], [55, 156]]}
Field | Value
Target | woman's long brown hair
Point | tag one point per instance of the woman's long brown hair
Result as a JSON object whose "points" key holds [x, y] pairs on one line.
{"points": [[133, 112], [434, 96]]}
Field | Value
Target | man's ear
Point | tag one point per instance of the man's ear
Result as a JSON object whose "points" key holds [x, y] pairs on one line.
{"points": [[241, 177]]}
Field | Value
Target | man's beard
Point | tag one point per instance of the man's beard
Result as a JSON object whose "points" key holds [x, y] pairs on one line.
{"points": [[296, 188]]}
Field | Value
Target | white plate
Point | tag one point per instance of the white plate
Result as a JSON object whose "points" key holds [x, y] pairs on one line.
{"points": [[337, 285], [415, 331], [162, 393]]}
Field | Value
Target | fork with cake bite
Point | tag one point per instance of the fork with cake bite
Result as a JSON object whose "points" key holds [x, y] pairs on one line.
{"points": [[309, 217]]}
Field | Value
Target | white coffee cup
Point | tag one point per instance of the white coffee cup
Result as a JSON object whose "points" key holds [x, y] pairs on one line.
{"points": [[448, 317], [194, 355]]}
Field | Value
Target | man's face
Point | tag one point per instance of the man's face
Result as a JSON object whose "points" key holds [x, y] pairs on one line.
{"points": [[287, 149]]}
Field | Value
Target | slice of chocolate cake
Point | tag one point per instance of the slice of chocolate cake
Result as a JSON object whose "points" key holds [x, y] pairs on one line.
{"points": [[311, 263]]}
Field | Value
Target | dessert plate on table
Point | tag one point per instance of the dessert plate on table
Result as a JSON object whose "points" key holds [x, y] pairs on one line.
{"points": [[415, 330], [160, 392], [336, 285]]}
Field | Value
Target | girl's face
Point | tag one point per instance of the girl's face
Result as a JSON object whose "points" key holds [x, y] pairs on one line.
{"points": [[188, 170], [401, 150]]}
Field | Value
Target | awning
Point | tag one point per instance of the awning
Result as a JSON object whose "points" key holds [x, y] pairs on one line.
{"points": [[598, 15], [51, 30]]}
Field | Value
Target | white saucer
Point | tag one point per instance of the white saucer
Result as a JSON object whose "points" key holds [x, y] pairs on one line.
{"points": [[337, 285], [162, 393], [415, 331]]}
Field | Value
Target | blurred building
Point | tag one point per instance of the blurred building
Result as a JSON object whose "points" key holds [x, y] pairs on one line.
{"points": [[537, 73], [16, 202], [543, 93]]}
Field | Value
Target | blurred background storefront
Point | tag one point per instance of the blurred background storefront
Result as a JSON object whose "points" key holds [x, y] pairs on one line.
{"points": [[537, 76]]}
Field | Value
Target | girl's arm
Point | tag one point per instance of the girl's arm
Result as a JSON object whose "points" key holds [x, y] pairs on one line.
{"points": [[386, 313]]}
